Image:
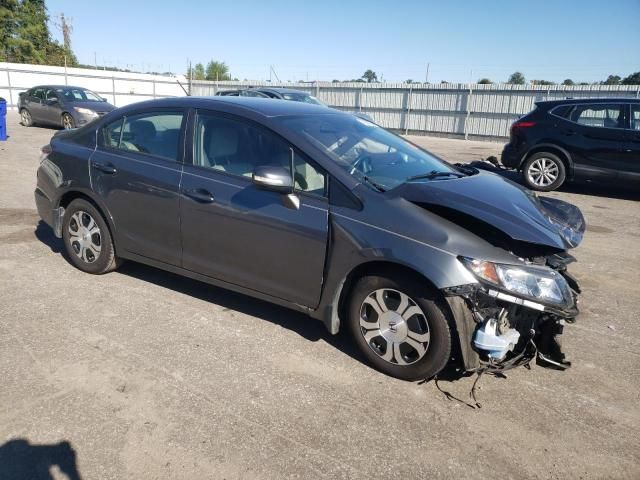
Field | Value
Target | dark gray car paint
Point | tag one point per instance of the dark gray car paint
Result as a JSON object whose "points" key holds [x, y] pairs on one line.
{"points": [[232, 243]]}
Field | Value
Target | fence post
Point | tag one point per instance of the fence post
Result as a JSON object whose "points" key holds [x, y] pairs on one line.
{"points": [[317, 89], [154, 88], [466, 119], [360, 99], [113, 89], [9, 85], [408, 115]]}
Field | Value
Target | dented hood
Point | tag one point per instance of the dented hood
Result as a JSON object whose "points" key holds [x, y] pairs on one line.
{"points": [[503, 204]]}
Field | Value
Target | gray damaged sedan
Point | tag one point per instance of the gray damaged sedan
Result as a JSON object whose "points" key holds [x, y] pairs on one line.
{"points": [[422, 261]]}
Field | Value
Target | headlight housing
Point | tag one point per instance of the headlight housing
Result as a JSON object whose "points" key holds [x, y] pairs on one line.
{"points": [[537, 283], [85, 111]]}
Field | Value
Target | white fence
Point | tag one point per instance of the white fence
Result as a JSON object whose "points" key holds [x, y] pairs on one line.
{"points": [[442, 109], [119, 88], [467, 110]]}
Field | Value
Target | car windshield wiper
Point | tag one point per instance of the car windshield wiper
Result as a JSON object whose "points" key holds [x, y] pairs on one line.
{"points": [[434, 174], [375, 185]]}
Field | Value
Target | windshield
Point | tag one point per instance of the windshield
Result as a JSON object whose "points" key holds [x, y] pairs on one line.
{"points": [[78, 95], [302, 97], [366, 150]]}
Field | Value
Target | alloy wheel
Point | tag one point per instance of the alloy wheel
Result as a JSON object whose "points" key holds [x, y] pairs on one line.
{"points": [[543, 172], [25, 117], [84, 236], [394, 326], [67, 121]]}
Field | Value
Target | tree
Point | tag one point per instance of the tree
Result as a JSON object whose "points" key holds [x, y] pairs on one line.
{"points": [[633, 79], [335, 80], [485, 81], [568, 82], [217, 71], [612, 80], [25, 36], [197, 72], [542, 82], [370, 76], [408, 81], [516, 78]]}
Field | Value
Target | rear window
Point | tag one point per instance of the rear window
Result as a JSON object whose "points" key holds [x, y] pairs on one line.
{"points": [[562, 111], [599, 115]]}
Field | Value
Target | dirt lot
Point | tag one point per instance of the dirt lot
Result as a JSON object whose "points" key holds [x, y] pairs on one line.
{"points": [[149, 375]]}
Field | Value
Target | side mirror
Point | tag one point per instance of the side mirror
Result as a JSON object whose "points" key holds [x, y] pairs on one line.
{"points": [[276, 179], [102, 99], [53, 100]]}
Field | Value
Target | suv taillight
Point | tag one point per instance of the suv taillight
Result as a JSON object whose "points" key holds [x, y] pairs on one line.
{"points": [[520, 125]]}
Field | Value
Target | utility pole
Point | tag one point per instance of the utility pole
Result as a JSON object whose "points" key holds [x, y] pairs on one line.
{"points": [[95, 59], [426, 78]]}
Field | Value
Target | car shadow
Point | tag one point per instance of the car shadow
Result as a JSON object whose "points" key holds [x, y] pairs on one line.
{"points": [[621, 191], [297, 322], [20, 459]]}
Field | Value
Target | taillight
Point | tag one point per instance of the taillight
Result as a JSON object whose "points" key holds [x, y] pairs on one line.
{"points": [[520, 125], [44, 152]]}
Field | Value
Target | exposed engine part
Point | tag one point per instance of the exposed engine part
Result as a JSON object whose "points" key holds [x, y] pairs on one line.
{"points": [[497, 345]]}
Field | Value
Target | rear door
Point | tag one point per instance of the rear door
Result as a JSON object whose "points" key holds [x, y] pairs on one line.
{"points": [[34, 103], [632, 168], [598, 139], [238, 233], [136, 171], [51, 108]]}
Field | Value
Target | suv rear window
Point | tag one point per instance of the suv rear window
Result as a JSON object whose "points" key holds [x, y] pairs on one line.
{"points": [[561, 111], [601, 115]]}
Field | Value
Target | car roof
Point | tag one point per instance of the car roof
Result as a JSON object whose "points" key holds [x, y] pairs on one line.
{"points": [[281, 90], [577, 101], [267, 107]]}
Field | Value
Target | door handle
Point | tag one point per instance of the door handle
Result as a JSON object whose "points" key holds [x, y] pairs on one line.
{"points": [[110, 169], [569, 132], [200, 195]]}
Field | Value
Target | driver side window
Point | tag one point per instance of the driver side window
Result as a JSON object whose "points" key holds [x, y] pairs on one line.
{"points": [[236, 147]]}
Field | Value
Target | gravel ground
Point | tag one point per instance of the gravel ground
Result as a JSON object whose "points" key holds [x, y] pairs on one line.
{"points": [[144, 374]]}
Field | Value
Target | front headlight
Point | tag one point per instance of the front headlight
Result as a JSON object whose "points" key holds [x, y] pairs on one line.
{"points": [[539, 283], [85, 111]]}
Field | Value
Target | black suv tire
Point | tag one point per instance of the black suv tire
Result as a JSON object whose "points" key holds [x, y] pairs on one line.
{"points": [[544, 171]]}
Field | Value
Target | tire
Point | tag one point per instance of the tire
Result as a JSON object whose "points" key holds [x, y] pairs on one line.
{"points": [[544, 172], [67, 121], [423, 323], [89, 245], [25, 118]]}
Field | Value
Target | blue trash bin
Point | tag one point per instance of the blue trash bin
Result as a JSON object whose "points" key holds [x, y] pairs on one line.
{"points": [[3, 119]]}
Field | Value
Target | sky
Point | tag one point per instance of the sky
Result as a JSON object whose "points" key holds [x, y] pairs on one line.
{"points": [[585, 40]]}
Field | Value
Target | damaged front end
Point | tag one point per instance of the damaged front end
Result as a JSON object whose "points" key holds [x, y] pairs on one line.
{"points": [[518, 312]]}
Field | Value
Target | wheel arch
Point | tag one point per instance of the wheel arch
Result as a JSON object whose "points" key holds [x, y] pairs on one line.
{"points": [[560, 152], [69, 196], [459, 318]]}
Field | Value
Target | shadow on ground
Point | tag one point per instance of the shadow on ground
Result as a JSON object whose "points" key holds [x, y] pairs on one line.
{"points": [[21, 460]]}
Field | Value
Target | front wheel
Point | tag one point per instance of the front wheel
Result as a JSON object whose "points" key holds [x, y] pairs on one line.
{"points": [[544, 171], [400, 327], [68, 122]]}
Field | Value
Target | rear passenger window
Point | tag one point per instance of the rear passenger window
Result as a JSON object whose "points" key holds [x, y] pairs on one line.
{"points": [[561, 111], [599, 115], [635, 117], [156, 134]]}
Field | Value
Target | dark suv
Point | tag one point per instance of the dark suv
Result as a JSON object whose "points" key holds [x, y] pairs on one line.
{"points": [[590, 139]]}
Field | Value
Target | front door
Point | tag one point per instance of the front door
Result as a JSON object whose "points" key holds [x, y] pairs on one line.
{"points": [[238, 233], [136, 170], [632, 166]]}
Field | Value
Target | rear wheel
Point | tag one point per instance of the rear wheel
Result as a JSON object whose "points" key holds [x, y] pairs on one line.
{"points": [[87, 239], [544, 171], [399, 326], [68, 122], [25, 118]]}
